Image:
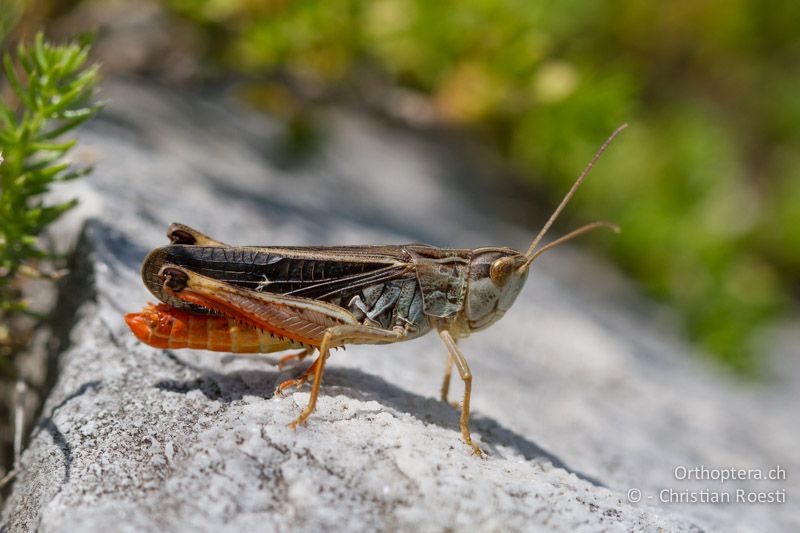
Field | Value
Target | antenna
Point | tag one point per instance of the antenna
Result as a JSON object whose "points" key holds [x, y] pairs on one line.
{"points": [[531, 249]]}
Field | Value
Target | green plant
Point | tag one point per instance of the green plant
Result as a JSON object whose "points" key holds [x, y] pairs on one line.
{"points": [[51, 90], [10, 12]]}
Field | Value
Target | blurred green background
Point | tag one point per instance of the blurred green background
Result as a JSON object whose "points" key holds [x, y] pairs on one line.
{"points": [[705, 183]]}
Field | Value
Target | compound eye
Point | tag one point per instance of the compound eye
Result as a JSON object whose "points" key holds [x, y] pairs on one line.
{"points": [[500, 271]]}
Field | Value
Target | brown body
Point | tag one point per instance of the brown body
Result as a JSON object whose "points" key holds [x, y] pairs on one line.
{"points": [[248, 299]]}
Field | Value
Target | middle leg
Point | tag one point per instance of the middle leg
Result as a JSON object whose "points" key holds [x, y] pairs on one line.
{"points": [[298, 381], [296, 356]]}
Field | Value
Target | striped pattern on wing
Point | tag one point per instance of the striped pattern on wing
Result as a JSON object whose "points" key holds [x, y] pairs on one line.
{"points": [[333, 274]]}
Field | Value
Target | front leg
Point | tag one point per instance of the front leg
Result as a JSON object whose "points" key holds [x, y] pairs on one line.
{"points": [[448, 372], [457, 357]]}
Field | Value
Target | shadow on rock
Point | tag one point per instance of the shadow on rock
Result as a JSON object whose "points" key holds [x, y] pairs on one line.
{"points": [[47, 424], [228, 387], [117, 250]]}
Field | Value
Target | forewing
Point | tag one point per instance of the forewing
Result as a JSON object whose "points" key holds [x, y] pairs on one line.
{"points": [[330, 274]]}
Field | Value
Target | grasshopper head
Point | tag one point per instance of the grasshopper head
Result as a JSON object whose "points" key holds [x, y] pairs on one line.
{"points": [[498, 274], [496, 277]]}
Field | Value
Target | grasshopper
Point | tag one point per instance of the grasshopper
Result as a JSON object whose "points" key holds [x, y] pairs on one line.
{"points": [[249, 299]]}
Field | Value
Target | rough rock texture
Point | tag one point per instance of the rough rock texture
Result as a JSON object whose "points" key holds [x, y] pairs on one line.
{"points": [[581, 392]]}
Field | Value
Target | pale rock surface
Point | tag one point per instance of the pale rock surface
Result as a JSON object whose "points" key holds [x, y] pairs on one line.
{"points": [[581, 392]]}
